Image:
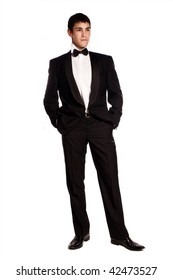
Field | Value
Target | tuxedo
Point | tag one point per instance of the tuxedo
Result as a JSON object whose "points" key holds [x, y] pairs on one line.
{"points": [[95, 128], [104, 79]]}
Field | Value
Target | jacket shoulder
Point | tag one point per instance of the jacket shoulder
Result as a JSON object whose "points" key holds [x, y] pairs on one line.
{"points": [[101, 56], [59, 58]]}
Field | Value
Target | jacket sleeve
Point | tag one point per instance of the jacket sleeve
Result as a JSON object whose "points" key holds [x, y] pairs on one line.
{"points": [[115, 97], [50, 101]]}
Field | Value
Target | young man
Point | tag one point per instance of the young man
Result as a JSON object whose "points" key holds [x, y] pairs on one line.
{"points": [[85, 81]]}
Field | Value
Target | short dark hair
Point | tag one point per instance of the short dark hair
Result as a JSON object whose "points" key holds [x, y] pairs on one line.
{"points": [[76, 18]]}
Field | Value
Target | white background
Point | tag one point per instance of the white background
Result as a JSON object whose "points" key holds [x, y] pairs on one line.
{"points": [[36, 224]]}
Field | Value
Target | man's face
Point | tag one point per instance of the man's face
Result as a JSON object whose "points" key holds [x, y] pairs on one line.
{"points": [[80, 34]]}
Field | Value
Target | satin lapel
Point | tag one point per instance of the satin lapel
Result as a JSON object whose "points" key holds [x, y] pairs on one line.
{"points": [[95, 78], [71, 80]]}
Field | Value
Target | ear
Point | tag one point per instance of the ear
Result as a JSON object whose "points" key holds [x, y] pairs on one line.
{"points": [[69, 32]]}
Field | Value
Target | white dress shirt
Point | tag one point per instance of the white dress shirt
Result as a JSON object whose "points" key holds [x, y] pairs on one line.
{"points": [[81, 66]]}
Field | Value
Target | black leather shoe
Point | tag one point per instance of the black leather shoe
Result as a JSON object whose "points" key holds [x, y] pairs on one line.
{"points": [[77, 242], [128, 244]]}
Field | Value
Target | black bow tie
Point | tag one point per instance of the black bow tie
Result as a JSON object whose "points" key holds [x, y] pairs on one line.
{"points": [[76, 52]]}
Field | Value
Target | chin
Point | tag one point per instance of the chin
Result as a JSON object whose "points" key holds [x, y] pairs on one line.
{"points": [[84, 45]]}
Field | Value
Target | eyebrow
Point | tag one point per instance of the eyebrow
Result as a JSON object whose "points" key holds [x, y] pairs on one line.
{"points": [[82, 27]]}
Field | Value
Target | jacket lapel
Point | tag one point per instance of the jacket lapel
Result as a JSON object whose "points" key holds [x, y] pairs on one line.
{"points": [[72, 82], [95, 78]]}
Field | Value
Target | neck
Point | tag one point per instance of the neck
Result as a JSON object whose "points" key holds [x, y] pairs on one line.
{"points": [[80, 49]]}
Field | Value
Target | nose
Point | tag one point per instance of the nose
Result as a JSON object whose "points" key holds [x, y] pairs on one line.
{"points": [[83, 33]]}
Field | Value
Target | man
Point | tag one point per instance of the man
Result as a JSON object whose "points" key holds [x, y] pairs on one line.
{"points": [[85, 81]]}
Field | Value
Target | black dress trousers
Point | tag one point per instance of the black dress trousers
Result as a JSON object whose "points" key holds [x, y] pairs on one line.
{"points": [[98, 134]]}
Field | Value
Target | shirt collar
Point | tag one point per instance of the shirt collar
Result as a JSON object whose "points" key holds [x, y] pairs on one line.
{"points": [[74, 47]]}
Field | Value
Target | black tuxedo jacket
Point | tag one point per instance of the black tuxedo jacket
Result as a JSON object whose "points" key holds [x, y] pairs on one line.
{"points": [[104, 88]]}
